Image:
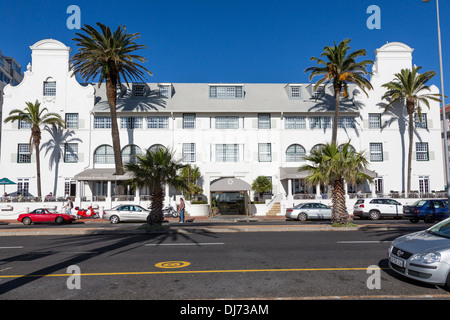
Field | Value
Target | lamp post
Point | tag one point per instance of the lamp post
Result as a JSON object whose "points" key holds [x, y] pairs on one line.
{"points": [[444, 118]]}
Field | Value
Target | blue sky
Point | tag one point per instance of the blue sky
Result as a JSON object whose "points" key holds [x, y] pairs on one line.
{"points": [[236, 41]]}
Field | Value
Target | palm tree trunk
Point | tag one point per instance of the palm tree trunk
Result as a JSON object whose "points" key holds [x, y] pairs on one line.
{"points": [[410, 108], [339, 213], [38, 170], [337, 97], [156, 214]]}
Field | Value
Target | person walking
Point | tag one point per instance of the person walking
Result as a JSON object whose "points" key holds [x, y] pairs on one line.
{"points": [[181, 208]]}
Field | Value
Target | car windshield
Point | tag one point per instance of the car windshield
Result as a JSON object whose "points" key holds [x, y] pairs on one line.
{"points": [[441, 229], [419, 203], [52, 211]]}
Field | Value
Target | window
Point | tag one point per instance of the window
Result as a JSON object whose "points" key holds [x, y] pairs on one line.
{"points": [[23, 186], [295, 92], [156, 147], [102, 122], [138, 90], [424, 184], [295, 153], [294, 122], [227, 122], [189, 152], [71, 152], [264, 152], [104, 155], [376, 152], [157, 122], [225, 92], [319, 122], [189, 121], [72, 120], [23, 154], [227, 152], [422, 151], [374, 120], [50, 88], [422, 123], [131, 123], [164, 91], [264, 121], [130, 153], [318, 92], [24, 125], [346, 122]]}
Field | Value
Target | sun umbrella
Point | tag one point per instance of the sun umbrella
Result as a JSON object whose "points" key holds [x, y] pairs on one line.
{"points": [[4, 182]]}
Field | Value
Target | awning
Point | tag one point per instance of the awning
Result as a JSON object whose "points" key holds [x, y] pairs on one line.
{"points": [[293, 173], [102, 174], [230, 185]]}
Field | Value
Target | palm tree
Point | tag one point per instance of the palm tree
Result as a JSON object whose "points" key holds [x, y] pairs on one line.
{"points": [[110, 57], [261, 184], [340, 69], [36, 117], [409, 86], [191, 175], [334, 167], [154, 170]]}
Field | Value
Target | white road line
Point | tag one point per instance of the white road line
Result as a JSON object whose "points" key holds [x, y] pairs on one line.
{"points": [[16, 247], [186, 244], [364, 241]]}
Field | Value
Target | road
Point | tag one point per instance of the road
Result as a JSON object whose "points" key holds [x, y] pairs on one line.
{"points": [[208, 265]]}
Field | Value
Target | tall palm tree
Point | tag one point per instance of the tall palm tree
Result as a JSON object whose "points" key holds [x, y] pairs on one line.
{"points": [[409, 86], [334, 167], [340, 68], [109, 56], [154, 170], [36, 117]]}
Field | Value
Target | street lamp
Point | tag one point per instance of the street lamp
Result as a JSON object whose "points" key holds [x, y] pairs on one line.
{"points": [[444, 121]]}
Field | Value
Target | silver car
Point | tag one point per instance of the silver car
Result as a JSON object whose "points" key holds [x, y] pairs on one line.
{"points": [[312, 210], [423, 255], [127, 212]]}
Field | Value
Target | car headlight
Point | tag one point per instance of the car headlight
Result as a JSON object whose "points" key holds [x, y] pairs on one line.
{"points": [[428, 257]]}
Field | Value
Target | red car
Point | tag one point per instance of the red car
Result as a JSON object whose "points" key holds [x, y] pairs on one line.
{"points": [[45, 215]]}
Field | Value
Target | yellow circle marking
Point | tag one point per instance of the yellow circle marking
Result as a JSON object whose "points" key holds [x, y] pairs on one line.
{"points": [[172, 264]]}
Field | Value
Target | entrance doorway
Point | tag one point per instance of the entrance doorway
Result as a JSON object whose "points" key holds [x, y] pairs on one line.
{"points": [[230, 203]]}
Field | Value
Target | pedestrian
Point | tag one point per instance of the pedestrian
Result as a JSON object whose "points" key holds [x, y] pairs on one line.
{"points": [[68, 206], [181, 210], [359, 194], [49, 197]]}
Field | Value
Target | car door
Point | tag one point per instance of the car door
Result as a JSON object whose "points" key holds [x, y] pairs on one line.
{"points": [[124, 213], [325, 211], [138, 214], [440, 210], [37, 215], [393, 207]]}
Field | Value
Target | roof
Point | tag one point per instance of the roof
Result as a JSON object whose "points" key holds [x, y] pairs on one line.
{"points": [[194, 97]]}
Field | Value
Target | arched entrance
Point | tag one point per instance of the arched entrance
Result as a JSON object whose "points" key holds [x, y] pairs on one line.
{"points": [[231, 196]]}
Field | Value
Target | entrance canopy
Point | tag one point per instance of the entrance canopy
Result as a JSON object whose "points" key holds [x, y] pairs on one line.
{"points": [[102, 174], [230, 185]]}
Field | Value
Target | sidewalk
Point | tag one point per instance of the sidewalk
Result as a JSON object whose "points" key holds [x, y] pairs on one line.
{"points": [[220, 224]]}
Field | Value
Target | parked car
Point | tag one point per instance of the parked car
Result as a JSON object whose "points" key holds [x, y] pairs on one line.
{"points": [[312, 210], [426, 210], [423, 255], [375, 208], [128, 212], [45, 215]]}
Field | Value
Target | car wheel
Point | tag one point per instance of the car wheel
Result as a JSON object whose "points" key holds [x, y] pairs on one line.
{"points": [[429, 218], [302, 217], [59, 220], [374, 215], [114, 219], [414, 220], [26, 221]]}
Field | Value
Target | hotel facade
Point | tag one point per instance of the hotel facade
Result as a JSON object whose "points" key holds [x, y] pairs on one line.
{"points": [[233, 132]]}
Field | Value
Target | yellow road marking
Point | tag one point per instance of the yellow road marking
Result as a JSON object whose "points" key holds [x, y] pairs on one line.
{"points": [[172, 264], [188, 272]]}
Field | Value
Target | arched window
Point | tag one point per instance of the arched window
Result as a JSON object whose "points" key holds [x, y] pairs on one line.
{"points": [[350, 148], [156, 147], [104, 155], [318, 147], [295, 153], [130, 153]]}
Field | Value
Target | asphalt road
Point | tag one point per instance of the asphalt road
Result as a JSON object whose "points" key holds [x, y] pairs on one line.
{"points": [[207, 265]]}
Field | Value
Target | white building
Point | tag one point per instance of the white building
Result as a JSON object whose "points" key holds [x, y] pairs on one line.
{"points": [[233, 132]]}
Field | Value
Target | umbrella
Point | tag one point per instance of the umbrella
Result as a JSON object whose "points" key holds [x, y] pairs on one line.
{"points": [[4, 182]]}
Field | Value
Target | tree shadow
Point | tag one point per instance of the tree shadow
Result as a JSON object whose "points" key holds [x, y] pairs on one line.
{"points": [[55, 147]]}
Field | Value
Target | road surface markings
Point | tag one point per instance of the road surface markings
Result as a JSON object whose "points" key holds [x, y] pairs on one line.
{"points": [[172, 264], [186, 244], [364, 241], [16, 247]]}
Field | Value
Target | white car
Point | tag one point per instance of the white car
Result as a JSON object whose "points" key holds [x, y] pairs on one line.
{"points": [[312, 210], [375, 208], [127, 212]]}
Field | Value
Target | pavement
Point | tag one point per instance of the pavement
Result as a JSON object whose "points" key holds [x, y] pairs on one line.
{"points": [[197, 225]]}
